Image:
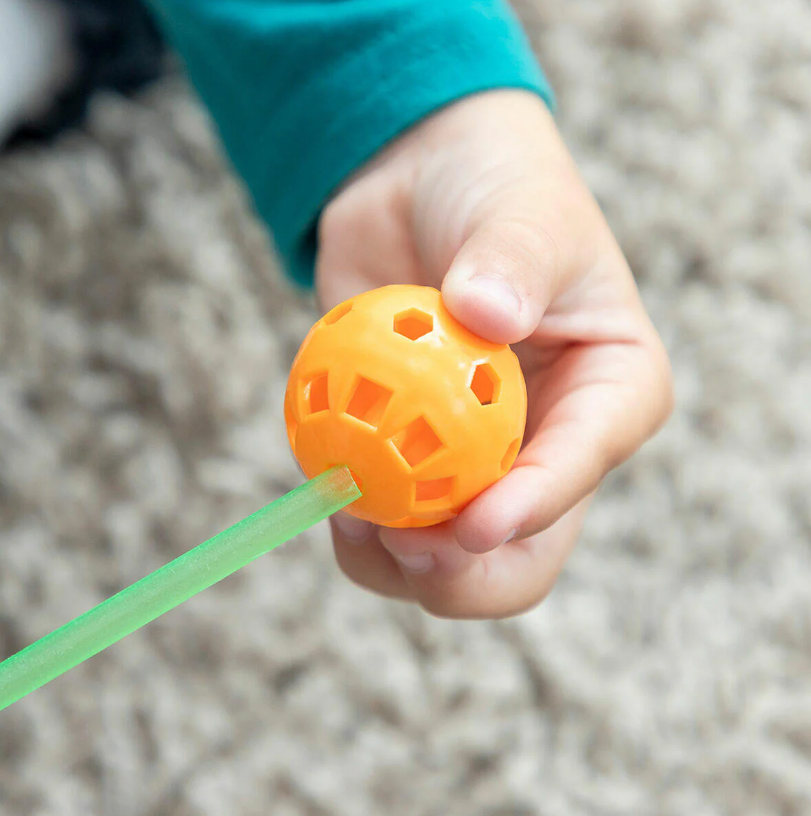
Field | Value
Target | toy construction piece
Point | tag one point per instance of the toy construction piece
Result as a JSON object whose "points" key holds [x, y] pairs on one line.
{"points": [[424, 413], [174, 583]]}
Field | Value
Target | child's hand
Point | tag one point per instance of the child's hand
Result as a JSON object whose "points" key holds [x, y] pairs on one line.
{"points": [[484, 201]]}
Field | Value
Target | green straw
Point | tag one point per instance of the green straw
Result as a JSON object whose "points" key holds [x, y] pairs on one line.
{"points": [[174, 583]]}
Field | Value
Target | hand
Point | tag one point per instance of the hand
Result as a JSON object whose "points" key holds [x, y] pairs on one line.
{"points": [[484, 201]]}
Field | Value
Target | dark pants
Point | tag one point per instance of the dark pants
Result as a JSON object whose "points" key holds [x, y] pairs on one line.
{"points": [[118, 48]]}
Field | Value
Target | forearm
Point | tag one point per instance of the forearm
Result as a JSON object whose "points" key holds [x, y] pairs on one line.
{"points": [[304, 93]]}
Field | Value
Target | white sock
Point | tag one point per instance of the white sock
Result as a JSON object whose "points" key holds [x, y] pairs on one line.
{"points": [[37, 59]]}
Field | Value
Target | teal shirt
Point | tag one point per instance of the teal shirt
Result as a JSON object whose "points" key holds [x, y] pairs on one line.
{"points": [[303, 92]]}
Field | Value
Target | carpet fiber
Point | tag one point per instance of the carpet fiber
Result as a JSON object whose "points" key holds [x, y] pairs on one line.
{"points": [[145, 338]]}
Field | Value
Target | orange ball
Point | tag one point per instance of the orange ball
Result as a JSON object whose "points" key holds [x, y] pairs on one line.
{"points": [[424, 413]]}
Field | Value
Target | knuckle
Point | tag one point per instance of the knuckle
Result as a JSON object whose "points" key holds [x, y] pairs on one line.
{"points": [[370, 578], [533, 246]]}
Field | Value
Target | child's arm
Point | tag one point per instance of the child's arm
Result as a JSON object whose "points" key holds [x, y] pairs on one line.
{"points": [[303, 93], [479, 197]]}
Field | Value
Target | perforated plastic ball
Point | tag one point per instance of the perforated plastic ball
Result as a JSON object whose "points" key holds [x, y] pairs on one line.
{"points": [[424, 413]]}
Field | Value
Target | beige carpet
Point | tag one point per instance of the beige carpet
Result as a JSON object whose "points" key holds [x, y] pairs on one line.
{"points": [[144, 344]]}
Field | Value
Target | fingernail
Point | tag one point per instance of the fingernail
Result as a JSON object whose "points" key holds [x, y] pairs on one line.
{"points": [[496, 290], [419, 562], [354, 530], [510, 536]]}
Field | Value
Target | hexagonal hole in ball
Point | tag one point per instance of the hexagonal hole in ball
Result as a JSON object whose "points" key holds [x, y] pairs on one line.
{"points": [[485, 384], [413, 324]]}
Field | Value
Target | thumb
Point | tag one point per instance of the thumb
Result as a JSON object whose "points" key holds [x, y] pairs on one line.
{"points": [[503, 278]]}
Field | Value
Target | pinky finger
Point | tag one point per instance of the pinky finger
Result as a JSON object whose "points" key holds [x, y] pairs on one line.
{"points": [[369, 565]]}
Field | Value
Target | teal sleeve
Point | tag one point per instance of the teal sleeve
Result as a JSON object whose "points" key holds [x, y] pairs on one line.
{"points": [[304, 92]]}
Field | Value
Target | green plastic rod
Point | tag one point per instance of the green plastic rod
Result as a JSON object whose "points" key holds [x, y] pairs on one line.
{"points": [[174, 583]]}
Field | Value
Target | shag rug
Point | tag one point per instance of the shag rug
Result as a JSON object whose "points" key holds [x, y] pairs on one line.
{"points": [[145, 338]]}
